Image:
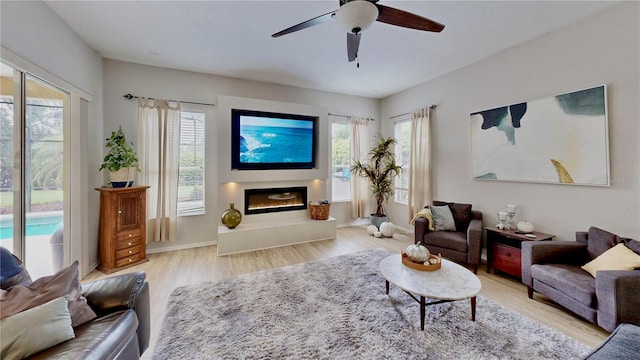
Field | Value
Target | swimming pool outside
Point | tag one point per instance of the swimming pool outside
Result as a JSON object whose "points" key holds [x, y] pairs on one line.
{"points": [[38, 223]]}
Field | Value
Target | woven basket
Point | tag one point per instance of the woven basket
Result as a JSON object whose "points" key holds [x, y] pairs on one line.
{"points": [[320, 211]]}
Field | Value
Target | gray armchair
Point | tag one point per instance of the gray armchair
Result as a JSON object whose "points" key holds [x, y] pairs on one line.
{"points": [[553, 268], [463, 245]]}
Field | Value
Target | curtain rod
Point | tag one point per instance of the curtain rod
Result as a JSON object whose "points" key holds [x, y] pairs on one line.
{"points": [[393, 117], [129, 97], [346, 116]]}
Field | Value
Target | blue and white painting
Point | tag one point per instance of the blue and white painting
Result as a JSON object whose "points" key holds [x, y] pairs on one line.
{"points": [[561, 139], [271, 140]]}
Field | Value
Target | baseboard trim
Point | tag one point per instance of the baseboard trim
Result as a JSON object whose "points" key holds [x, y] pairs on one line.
{"points": [[182, 247]]}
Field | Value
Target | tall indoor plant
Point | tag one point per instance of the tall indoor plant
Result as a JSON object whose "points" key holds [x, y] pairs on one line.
{"points": [[380, 171], [120, 160]]}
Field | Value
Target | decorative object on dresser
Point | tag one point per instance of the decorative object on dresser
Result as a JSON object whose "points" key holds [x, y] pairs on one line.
{"points": [[123, 235], [121, 161], [503, 249], [596, 276]]}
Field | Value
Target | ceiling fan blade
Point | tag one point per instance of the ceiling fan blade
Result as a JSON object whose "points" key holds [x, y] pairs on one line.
{"points": [[353, 43], [406, 19], [305, 24]]}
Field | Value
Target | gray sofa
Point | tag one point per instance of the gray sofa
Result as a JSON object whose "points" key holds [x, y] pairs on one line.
{"points": [[623, 343], [553, 268], [121, 329], [463, 245]]}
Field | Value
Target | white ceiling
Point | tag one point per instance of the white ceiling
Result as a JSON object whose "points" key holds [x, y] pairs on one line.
{"points": [[233, 38]]}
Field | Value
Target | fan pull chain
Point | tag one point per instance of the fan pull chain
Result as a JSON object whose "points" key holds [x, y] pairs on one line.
{"points": [[357, 61]]}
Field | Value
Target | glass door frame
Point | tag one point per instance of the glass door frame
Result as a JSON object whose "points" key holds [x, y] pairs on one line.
{"points": [[75, 184]]}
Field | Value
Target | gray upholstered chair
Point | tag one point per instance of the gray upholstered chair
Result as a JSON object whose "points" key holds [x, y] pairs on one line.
{"points": [[463, 245], [553, 268]]}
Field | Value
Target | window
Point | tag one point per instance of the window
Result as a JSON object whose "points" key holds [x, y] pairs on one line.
{"points": [[402, 133], [191, 170], [340, 161]]}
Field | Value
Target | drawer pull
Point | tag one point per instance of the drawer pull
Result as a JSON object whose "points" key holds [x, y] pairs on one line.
{"points": [[130, 260], [119, 211], [129, 235], [129, 244], [130, 251]]}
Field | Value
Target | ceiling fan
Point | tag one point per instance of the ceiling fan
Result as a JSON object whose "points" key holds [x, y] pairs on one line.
{"points": [[357, 15]]}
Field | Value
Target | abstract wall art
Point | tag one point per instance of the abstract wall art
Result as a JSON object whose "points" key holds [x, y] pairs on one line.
{"points": [[560, 139]]}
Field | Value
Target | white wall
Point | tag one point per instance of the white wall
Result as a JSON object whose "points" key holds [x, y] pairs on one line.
{"points": [[600, 50], [36, 34], [122, 77]]}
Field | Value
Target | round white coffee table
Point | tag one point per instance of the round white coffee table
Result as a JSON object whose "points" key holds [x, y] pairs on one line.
{"points": [[451, 282]]}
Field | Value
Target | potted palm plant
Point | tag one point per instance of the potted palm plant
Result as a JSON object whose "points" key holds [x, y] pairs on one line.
{"points": [[121, 160], [380, 171]]}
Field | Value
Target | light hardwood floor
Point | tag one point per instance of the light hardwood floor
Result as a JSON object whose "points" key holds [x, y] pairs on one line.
{"points": [[168, 270]]}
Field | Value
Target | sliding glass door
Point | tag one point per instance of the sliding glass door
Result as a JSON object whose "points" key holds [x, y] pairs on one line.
{"points": [[33, 114]]}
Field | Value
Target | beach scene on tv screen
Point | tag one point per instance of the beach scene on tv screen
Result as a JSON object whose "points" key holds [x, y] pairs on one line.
{"points": [[273, 140]]}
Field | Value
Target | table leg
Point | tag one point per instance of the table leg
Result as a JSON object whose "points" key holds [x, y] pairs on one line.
{"points": [[387, 287], [473, 308], [422, 306]]}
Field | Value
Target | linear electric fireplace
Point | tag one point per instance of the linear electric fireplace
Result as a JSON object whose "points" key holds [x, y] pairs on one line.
{"points": [[259, 201]]}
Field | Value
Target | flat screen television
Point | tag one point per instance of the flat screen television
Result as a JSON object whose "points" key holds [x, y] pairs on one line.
{"points": [[268, 141]]}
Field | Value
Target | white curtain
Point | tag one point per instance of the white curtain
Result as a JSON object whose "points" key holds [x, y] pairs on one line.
{"points": [[359, 150], [159, 152], [420, 161]]}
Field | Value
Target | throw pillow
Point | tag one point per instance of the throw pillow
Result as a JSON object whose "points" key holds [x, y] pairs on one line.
{"points": [[442, 218], [600, 241], [36, 329], [9, 264], [633, 245], [424, 213], [13, 273], [461, 213], [618, 257], [63, 283]]}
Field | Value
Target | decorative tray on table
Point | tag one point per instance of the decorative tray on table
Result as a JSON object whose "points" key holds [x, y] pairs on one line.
{"points": [[435, 261]]}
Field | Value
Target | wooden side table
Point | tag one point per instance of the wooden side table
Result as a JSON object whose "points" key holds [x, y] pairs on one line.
{"points": [[504, 249]]}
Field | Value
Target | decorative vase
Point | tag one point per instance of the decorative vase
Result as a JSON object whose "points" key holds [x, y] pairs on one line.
{"points": [[231, 217], [122, 178], [525, 226]]}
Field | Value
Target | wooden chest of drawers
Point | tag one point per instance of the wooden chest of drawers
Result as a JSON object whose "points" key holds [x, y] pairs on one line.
{"points": [[122, 228], [504, 250]]}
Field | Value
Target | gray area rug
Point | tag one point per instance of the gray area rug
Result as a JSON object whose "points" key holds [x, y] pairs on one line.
{"points": [[337, 309]]}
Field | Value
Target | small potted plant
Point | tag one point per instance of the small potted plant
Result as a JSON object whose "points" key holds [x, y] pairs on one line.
{"points": [[121, 160], [380, 171]]}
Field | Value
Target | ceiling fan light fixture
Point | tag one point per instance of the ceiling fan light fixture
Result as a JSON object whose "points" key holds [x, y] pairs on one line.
{"points": [[356, 15]]}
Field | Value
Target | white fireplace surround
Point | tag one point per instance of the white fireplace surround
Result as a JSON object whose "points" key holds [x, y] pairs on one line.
{"points": [[260, 231]]}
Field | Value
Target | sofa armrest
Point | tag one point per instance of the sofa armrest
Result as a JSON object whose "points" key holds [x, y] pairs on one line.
{"points": [[421, 227], [618, 301], [121, 292], [474, 241], [114, 293], [559, 252]]}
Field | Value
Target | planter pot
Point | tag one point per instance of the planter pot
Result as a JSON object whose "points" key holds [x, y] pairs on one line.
{"points": [[377, 220], [123, 177]]}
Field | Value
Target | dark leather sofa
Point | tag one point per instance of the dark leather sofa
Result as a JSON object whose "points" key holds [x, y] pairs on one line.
{"points": [[122, 328]]}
